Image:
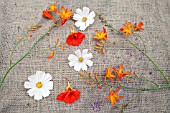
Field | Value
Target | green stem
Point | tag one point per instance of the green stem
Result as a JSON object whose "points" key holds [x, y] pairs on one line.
{"points": [[13, 49], [13, 65], [125, 87], [144, 89], [167, 81], [142, 41]]}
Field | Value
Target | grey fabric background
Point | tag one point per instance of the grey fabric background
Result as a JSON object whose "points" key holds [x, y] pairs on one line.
{"points": [[15, 14]]}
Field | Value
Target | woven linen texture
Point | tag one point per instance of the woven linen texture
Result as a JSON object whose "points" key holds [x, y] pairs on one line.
{"points": [[15, 14]]}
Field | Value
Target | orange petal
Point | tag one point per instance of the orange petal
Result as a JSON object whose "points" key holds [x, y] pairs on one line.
{"points": [[121, 67], [51, 55]]}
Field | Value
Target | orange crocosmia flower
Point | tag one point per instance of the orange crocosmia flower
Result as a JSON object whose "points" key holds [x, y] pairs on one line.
{"points": [[64, 15], [109, 75], [120, 72], [69, 95], [139, 26], [51, 55], [53, 7], [101, 35], [127, 28], [113, 96], [47, 14]]}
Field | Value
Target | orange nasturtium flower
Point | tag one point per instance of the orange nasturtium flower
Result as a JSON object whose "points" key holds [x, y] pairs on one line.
{"points": [[109, 75], [139, 26], [101, 35], [120, 72], [69, 95], [113, 96], [127, 28]]}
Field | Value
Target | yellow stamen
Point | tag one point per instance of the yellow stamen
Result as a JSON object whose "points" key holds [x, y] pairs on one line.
{"points": [[80, 59], [84, 19], [39, 85]]}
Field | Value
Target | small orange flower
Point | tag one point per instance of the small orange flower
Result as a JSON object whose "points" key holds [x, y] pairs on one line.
{"points": [[51, 55], [120, 72], [127, 28], [113, 96], [69, 95], [64, 15], [101, 35], [53, 7], [109, 75], [47, 14], [139, 26]]}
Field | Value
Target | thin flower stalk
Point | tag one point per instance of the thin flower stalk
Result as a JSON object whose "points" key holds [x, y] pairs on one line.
{"points": [[13, 65], [113, 29]]}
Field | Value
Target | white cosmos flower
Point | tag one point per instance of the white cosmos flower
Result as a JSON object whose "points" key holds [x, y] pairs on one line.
{"points": [[39, 85], [80, 60], [83, 18]]}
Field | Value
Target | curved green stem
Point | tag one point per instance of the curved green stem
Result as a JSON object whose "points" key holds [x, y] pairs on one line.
{"points": [[167, 81], [41, 38]]}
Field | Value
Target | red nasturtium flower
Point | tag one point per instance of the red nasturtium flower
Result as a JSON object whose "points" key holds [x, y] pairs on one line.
{"points": [[121, 73], [139, 26], [113, 96], [109, 75], [69, 96], [75, 38]]}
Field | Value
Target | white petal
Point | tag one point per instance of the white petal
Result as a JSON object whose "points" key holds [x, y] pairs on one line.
{"points": [[89, 62], [77, 17], [77, 66], [91, 21], [72, 57], [47, 78], [45, 92], [88, 56], [84, 52], [79, 23], [28, 85], [38, 95], [84, 66], [87, 23], [48, 85], [31, 92], [91, 15], [72, 63], [86, 10], [78, 53], [39, 75], [83, 26], [79, 11], [32, 78]]}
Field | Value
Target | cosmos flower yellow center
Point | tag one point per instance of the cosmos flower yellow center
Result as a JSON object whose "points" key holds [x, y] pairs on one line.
{"points": [[84, 19], [39, 85], [80, 59]]}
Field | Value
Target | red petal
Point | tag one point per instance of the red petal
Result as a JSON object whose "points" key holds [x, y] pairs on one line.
{"points": [[69, 97], [61, 96]]}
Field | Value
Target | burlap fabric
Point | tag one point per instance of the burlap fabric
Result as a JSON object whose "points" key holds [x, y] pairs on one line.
{"points": [[15, 14]]}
